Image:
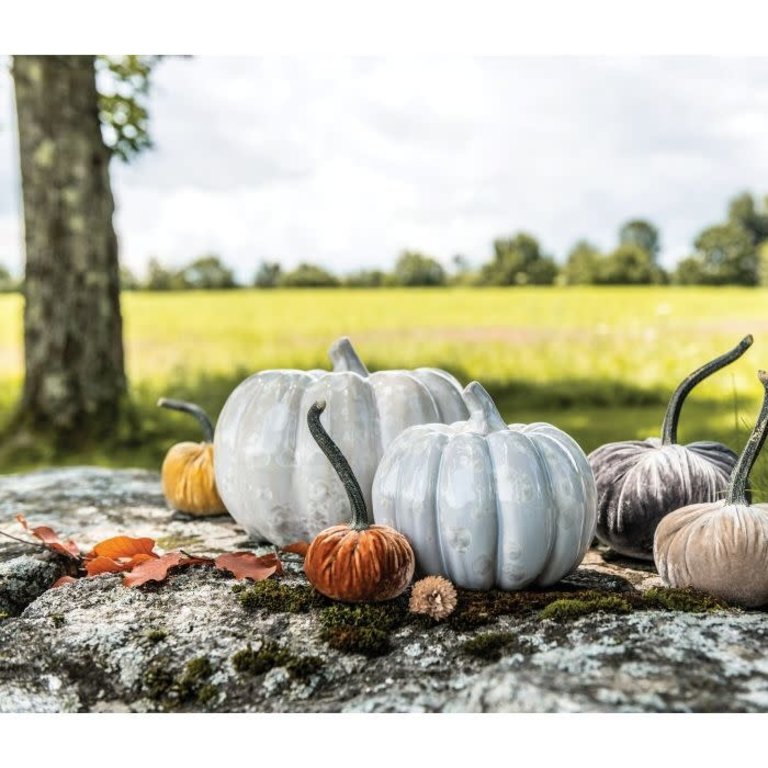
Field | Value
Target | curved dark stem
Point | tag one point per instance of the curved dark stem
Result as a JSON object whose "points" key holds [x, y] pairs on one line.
{"points": [[340, 464], [24, 541], [194, 410], [671, 417], [737, 489]]}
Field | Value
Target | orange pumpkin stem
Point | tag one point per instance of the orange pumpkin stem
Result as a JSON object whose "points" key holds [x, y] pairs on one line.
{"points": [[192, 409], [340, 465]]}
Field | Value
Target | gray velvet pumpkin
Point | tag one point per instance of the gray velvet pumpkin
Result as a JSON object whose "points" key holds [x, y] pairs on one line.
{"points": [[641, 481], [721, 547]]}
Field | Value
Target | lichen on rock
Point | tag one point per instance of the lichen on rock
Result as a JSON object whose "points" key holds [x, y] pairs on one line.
{"points": [[202, 641]]}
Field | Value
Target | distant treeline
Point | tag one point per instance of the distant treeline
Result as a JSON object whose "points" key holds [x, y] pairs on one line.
{"points": [[733, 252]]}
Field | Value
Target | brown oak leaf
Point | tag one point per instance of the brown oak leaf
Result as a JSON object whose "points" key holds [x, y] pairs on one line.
{"points": [[247, 565], [51, 539], [297, 548], [155, 569], [62, 580]]}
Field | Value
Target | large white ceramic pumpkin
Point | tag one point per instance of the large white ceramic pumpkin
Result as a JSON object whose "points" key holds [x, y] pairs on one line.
{"points": [[486, 504], [271, 475]]}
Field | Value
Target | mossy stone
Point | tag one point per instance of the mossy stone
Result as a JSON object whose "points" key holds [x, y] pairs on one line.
{"points": [[687, 600], [274, 596], [571, 608], [270, 655]]}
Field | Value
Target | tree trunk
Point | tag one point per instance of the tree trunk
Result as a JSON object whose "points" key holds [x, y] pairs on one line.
{"points": [[75, 378]]}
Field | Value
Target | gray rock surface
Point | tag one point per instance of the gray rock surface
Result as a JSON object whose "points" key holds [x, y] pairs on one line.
{"points": [[96, 645]]}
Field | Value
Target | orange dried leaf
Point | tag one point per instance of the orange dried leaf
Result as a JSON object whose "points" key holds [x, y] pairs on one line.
{"points": [[139, 559], [102, 564], [246, 565], [51, 539], [61, 581], [157, 568], [297, 548], [124, 546]]}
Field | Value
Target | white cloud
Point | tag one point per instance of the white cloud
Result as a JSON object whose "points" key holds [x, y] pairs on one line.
{"points": [[347, 161]]}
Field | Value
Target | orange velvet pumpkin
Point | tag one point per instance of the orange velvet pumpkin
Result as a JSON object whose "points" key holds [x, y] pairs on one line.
{"points": [[189, 483], [358, 562]]}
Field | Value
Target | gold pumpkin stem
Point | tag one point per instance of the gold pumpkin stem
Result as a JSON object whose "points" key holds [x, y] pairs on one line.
{"points": [[737, 489], [671, 417], [340, 464], [192, 409]]}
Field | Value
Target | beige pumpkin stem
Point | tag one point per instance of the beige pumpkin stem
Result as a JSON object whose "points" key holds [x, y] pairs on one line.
{"points": [[737, 489], [192, 409], [672, 416], [340, 465]]}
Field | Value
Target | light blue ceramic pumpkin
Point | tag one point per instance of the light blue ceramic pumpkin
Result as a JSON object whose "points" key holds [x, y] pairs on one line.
{"points": [[489, 505]]}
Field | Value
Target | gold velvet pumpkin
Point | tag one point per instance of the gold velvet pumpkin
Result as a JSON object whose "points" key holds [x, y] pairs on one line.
{"points": [[358, 562], [189, 483]]}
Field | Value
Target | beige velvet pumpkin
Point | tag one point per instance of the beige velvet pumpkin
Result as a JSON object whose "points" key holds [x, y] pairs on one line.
{"points": [[721, 547]]}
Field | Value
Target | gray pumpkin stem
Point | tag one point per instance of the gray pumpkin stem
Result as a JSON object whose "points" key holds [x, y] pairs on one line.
{"points": [[484, 416], [340, 465], [345, 358], [672, 416], [194, 410], [737, 489]]}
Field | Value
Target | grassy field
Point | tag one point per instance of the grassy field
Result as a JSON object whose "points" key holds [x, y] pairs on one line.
{"points": [[598, 362]]}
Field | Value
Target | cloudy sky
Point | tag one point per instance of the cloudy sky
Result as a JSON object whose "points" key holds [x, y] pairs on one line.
{"points": [[346, 162]]}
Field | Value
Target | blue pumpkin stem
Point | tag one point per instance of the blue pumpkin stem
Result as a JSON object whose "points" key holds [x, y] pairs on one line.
{"points": [[737, 489], [341, 465], [672, 416]]}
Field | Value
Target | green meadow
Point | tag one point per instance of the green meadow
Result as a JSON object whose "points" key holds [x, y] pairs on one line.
{"points": [[599, 362]]}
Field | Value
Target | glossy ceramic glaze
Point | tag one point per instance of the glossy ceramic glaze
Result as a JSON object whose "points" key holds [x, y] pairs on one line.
{"points": [[271, 474], [486, 504]]}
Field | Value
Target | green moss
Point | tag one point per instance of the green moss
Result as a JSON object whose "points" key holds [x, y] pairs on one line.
{"points": [[191, 686], [364, 627], [385, 616], [198, 669], [208, 695], [58, 620], [4, 615], [571, 608], [274, 596], [490, 646], [158, 681], [156, 635], [303, 667], [477, 609], [367, 641], [270, 655], [687, 600]]}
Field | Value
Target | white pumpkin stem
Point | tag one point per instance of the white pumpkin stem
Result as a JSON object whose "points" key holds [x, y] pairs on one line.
{"points": [[344, 357], [671, 417], [341, 466], [192, 409], [484, 416], [737, 489]]}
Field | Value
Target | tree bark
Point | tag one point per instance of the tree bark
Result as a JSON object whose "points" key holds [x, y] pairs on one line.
{"points": [[75, 378]]}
